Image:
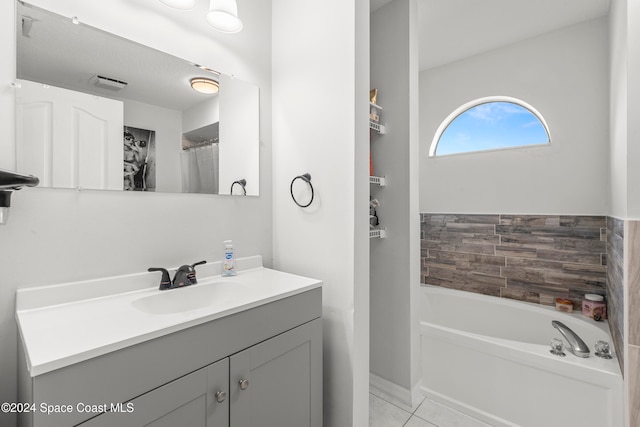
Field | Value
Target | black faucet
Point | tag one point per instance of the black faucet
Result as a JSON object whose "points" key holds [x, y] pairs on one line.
{"points": [[165, 281], [185, 276]]}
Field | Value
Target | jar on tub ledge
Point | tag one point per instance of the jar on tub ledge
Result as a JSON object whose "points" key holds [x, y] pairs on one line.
{"points": [[593, 306], [564, 304]]}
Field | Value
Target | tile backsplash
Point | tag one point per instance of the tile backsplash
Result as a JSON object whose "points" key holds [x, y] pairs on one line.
{"points": [[615, 284], [533, 258]]}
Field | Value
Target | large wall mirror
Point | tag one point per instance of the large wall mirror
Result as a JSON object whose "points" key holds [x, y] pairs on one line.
{"points": [[96, 111]]}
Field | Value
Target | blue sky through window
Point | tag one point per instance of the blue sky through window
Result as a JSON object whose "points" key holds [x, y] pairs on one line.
{"points": [[490, 126]]}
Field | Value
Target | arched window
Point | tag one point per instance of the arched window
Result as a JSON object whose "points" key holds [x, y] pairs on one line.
{"points": [[490, 123]]}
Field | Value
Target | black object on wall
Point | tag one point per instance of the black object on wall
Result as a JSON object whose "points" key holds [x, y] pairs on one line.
{"points": [[12, 181], [306, 178]]}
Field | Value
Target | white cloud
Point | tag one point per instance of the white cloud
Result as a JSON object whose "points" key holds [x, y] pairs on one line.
{"points": [[495, 111]]}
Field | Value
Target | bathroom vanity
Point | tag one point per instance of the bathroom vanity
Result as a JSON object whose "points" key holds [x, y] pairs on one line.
{"points": [[239, 351]]}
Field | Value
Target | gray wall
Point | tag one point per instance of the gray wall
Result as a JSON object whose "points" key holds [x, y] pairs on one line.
{"points": [[394, 261], [563, 74]]}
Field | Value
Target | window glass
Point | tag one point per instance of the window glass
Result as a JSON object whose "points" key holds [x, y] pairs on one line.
{"points": [[490, 125]]}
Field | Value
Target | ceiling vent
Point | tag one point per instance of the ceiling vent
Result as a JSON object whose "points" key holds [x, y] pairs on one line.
{"points": [[107, 82]]}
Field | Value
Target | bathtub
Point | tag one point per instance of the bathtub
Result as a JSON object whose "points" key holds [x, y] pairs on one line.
{"points": [[489, 358]]}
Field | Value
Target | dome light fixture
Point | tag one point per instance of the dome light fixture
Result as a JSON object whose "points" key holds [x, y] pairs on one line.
{"points": [[179, 4], [204, 85], [223, 16]]}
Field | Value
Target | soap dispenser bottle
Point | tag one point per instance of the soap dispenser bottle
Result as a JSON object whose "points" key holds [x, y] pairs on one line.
{"points": [[229, 261]]}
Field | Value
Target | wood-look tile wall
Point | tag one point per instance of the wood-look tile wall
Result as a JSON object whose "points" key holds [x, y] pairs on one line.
{"points": [[633, 306], [615, 284], [533, 258]]}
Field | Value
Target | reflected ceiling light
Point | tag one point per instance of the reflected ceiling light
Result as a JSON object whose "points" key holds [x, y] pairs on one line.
{"points": [[223, 16], [179, 4], [205, 68], [203, 85]]}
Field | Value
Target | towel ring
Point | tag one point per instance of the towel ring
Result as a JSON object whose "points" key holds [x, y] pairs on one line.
{"points": [[242, 183], [306, 178]]}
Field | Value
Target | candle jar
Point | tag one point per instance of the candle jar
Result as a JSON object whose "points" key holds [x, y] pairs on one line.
{"points": [[564, 305], [594, 307]]}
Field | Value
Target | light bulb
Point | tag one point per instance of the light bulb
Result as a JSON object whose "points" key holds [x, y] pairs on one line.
{"points": [[223, 16]]}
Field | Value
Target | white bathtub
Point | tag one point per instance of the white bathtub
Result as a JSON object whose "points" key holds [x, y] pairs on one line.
{"points": [[489, 358]]}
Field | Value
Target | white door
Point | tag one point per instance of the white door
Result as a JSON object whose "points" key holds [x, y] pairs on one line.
{"points": [[69, 139]]}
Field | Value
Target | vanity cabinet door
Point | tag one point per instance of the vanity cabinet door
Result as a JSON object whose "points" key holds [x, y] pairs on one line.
{"points": [[189, 401], [278, 383], [217, 394]]}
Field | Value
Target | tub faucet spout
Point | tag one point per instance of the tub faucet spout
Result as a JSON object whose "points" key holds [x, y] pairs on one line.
{"points": [[576, 345]]}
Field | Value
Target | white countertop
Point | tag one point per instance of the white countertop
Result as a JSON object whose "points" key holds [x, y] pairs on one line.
{"points": [[68, 323]]}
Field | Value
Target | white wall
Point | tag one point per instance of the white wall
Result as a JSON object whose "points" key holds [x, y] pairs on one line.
{"points": [[395, 260], [239, 135], [320, 89], [563, 74], [618, 108], [64, 235], [633, 105], [7, 93], [201, 115], [361, 314]]}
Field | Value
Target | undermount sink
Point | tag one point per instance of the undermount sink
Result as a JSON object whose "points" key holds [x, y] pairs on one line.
{"points": [[190, 298]]}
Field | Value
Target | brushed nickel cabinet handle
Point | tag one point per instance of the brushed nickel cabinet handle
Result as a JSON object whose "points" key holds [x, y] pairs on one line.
{"points": [[220, 396]]}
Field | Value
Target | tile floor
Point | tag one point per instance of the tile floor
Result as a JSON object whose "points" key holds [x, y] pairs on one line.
{"points": [[428, 413]]}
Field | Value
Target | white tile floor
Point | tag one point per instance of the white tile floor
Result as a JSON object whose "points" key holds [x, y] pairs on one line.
{"points": [[428, 414]]}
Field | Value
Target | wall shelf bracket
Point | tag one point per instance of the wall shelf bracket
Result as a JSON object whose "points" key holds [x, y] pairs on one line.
{"points": [[378, 233], [378, 180]]}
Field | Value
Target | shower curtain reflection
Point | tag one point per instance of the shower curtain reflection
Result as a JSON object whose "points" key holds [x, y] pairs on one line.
{"points": [[200, 169]]}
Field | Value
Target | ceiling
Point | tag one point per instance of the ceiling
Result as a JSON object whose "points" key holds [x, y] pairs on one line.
{"points": [[54, 51], [454, 29], [449, 30]]}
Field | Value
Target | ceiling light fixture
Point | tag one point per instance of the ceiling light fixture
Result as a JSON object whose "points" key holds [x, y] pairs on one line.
{"points": [[204, 85], [223, 16], [179, 4]]}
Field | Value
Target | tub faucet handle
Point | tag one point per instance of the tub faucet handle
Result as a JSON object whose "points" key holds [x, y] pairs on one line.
{"points": [[603, 350], [556, 347]]}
